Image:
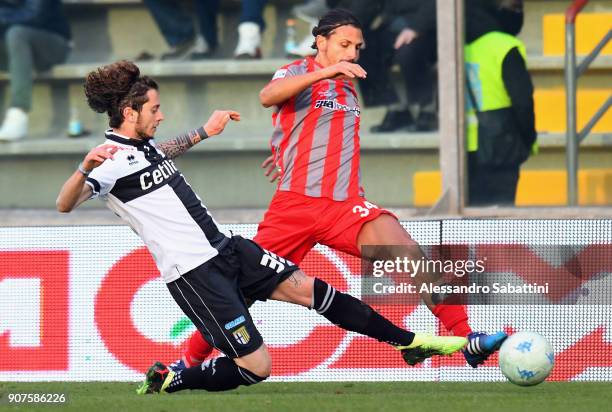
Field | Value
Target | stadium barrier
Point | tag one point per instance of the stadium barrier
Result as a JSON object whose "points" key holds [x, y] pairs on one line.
{"points": [[86, 303]]}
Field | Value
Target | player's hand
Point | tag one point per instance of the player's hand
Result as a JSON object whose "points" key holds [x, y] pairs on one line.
{"points": [[405, 37], [99, 155], [344, 71], [272, 170], [218, 120]]}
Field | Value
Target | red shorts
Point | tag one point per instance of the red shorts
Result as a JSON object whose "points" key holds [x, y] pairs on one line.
{"points": [[294, 223]]}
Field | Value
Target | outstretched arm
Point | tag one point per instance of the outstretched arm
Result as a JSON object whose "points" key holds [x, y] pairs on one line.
{"points": [[180, 144], [215, 125]]}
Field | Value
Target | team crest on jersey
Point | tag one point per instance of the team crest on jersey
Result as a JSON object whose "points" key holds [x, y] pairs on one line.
{"points": [[240, 319], [242, 335]]}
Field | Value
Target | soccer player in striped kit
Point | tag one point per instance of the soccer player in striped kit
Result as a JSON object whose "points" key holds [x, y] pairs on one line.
{"points": [[315, 156], [208, 271]]}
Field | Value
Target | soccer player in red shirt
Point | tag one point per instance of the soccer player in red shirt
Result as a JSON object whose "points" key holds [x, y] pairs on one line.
{"points": [[315, 156]]}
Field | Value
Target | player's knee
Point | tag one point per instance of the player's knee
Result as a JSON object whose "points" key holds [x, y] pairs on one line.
{"points": [[263, 368], [258, 363]]}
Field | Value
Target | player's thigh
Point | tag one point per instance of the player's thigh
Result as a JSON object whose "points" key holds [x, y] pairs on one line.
{"points": [[210, 297], [345, 226], [384, 238], [385, 229], [258, 362]]}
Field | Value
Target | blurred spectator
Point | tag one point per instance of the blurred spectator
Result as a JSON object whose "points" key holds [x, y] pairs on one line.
{"points": [[403, 32], [310, 12], [250, 29], [365, 11], [499, 109], [177, 26], [36, 36]]}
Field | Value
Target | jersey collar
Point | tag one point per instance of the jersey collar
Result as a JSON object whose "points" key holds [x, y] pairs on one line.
{"points": [[116, 137], [312, 63]]}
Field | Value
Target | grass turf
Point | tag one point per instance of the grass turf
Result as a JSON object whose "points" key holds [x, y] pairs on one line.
{"points": [[331, 396]]}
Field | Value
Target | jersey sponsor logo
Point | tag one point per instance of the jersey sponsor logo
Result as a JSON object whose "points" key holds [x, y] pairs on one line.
{"points": [[145, 180], [334, 105], [242, 335], [240, 319], [157, 176]]}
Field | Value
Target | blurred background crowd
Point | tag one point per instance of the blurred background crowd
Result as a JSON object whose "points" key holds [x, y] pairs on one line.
{"points": [[37, 36], [211, 53]]}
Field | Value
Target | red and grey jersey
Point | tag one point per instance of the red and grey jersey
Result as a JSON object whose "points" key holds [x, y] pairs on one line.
{"points": [[145, 189], [316, 137]]}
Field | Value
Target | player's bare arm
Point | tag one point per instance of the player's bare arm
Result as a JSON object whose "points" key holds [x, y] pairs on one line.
{"points": [[281, 90], [75, 191], [180, 144], [214, 126]]}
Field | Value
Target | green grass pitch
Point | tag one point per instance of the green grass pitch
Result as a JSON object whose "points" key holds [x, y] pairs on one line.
{"points": [[331, 396]]}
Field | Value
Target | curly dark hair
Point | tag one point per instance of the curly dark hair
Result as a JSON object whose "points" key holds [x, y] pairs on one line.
{"points": [[332, 20], [110, 89]]}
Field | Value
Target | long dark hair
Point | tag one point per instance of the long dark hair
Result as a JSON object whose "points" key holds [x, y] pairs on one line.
{"points": [[112, 88], [332, 20]]}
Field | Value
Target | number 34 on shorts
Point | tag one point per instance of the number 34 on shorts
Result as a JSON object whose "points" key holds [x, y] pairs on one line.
{"points": [[364, 209]]}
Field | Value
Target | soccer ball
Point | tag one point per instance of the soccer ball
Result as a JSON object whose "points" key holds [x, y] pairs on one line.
{"points": [[526, 358]]}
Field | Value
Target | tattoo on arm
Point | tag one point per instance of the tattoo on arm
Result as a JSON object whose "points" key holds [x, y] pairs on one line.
{"points": [[180, 144]]}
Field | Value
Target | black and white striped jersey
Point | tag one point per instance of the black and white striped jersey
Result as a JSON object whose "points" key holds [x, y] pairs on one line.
{"points": [[145, 188]]}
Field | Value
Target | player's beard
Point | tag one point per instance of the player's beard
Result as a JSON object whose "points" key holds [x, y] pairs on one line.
{"points": [[142, 132]]}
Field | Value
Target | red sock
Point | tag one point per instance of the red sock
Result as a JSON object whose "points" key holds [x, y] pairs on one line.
{"points": [[196, 350], [454, 318]]}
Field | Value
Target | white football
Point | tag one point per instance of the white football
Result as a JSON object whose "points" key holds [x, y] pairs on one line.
{"points": [[526, 358]]}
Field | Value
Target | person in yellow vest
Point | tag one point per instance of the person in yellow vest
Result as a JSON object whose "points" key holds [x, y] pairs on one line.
{"points": [[499, 101]]}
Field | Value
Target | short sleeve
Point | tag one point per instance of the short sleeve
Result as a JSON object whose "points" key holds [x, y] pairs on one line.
{"points": [[102, 179], [290, 70], [280, 74]]}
